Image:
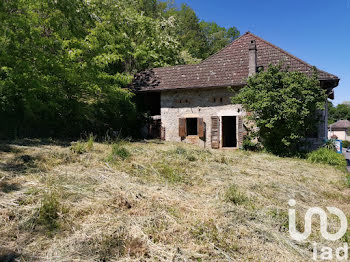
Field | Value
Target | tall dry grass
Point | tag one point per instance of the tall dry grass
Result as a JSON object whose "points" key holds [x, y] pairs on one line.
{"points": [[157, 202]]}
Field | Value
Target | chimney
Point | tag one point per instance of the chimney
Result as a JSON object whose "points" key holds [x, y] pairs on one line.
{"points": [[252, 58]]}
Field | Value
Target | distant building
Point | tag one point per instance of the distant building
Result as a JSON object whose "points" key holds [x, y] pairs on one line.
{"points": [[339, 130]]}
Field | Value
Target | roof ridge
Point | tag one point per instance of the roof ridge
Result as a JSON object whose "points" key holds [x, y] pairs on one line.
{"points": [[173, 66], [289, 54]]}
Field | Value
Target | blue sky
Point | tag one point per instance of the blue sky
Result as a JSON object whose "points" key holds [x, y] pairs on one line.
{"points": [[317, 31]]}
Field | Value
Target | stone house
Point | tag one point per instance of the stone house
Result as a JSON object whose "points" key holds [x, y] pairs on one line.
{"points": [[339, 130], [191, 103]]}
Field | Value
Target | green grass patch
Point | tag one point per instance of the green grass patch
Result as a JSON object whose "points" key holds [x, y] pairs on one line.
{"points": [[235, 196], [327, 156], [119, 151]]}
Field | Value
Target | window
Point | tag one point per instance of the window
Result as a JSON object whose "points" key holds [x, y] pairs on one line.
{"points": [[191, 126]]}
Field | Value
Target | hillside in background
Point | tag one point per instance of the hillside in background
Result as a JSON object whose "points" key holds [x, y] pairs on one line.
{"points": [[157, 202]]}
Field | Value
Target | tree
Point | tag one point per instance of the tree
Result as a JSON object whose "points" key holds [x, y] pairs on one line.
{"points": [[65, 65], [191, 36], [340, 112], [284, 106], [218, 37]]}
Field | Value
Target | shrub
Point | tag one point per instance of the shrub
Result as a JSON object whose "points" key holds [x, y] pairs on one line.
{"points": [[327, 156], [119, 151], [249, 145], [283, 105], [346, 144], [330, 145], [235, 196]]}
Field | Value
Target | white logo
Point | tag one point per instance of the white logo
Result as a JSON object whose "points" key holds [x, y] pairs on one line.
{"points": [[296, 235]]}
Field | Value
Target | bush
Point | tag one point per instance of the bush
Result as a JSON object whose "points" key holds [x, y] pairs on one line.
{"points": [[249, 145], [346, 144], [330, 145], [327, 156], [283, 106]]}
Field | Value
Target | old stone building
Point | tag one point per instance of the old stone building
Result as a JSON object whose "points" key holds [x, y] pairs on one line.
{"points": [[191, 103]]}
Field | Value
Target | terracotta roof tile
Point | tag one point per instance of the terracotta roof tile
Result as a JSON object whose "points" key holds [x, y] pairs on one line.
{"points": [[228, 67]]}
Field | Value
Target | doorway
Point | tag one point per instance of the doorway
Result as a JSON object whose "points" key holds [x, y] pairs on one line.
{"points": [[229, 131]]}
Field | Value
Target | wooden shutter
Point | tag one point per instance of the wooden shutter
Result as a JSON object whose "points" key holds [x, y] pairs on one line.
{"points": [[182, 127], [215, 132], [240, 131], [200, 125]]}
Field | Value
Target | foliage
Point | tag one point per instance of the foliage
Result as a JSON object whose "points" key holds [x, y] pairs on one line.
{"points": [[218, 37], [284, 107], [327, 156], [199, 39], [65, 65], [329, 144], [339, 112], [346, 144], [250, 142]]}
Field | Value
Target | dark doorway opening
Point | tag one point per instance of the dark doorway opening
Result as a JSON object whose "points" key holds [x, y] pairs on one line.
{"points": [[229, 131], [192, 127]]}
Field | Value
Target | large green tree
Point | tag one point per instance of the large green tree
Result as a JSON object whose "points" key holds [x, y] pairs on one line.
{"points": [[218, 37], [284, 106], [339, 112], [64, 65]]}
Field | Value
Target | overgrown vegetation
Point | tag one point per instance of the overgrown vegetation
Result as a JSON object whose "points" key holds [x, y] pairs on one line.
{"points": [[346, 144], [65, 65], [157, 204], [327, 156], [284, 107]]}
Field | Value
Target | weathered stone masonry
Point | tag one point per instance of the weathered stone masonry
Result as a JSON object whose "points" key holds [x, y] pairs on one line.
{"points": [[192, 103]]}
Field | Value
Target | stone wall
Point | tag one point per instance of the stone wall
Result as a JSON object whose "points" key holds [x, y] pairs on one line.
{"points": [[200, 103], [205, 103]]}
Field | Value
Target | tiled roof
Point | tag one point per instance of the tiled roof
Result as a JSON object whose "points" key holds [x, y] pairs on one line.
{"points": [[228, 67], [341, 124]]}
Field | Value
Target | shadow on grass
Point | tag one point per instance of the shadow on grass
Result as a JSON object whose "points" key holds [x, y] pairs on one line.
{"points": [[33, 142], [9, 187], [20, 164], [8, 255]]}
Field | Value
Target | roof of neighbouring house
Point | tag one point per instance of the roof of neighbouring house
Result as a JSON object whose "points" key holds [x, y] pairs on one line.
{"points": [[340, 125], [228, 67]]}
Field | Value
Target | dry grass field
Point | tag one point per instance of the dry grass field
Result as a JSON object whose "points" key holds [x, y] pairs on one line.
{"points": [[155, 201]]}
